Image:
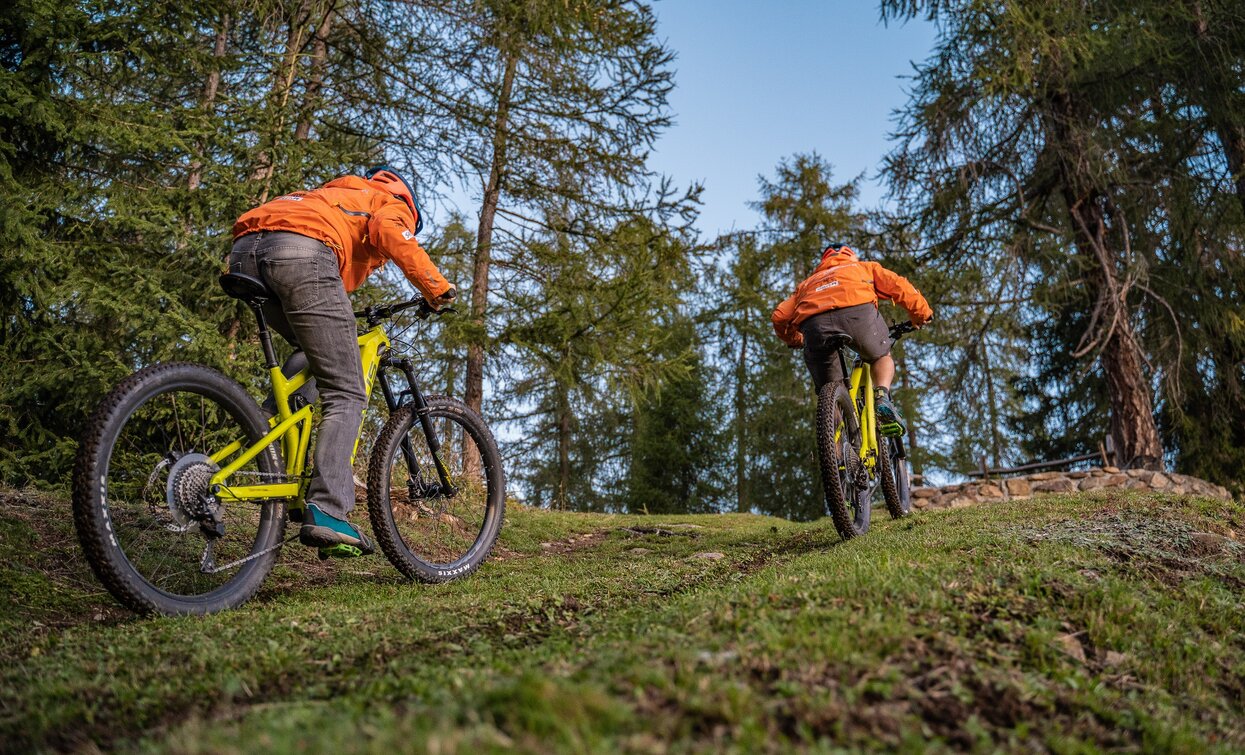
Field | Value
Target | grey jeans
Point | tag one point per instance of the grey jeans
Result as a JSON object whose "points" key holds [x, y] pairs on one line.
{"points": [[312, 311]]}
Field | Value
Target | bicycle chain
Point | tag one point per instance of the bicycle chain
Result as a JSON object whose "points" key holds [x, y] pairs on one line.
{"points": [[207, 565]]}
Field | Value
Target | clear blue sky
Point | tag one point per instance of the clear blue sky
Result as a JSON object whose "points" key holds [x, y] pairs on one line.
{"points": [[760, 81]]}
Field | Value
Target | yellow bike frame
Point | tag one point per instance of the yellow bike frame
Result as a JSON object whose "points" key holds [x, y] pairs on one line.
{"points": [[862, 379], [293, 429]]}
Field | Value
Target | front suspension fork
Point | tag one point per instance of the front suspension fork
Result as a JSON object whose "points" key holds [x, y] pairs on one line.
{"points": [[420, 406]]}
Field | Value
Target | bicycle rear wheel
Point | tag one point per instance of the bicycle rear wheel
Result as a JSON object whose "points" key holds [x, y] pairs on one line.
{"points": [[151, 530], [838, 444], [429, 535], [893, 471]]}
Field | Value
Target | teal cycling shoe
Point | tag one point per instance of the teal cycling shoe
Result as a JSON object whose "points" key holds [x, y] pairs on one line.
{"points": [[334, 537], [890, 421]]}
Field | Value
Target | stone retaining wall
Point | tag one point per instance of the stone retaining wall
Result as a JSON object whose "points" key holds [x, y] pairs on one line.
{"points": [[1042, 483]]}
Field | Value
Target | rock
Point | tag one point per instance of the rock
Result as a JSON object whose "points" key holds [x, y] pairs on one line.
{"points": [[709, 555], [1078, 475], [1097, 473], [1137, 485], [1137, 473], [961, 501], [990, 491], [1092, 483], [719, 658], [1018, 487], [1160, 481], [1115, 481], [1040, 476], [1060, 485], [925, 493], [1180, 489], [1111, 470], [1113, 659], [921, 503], [1070, 645]]}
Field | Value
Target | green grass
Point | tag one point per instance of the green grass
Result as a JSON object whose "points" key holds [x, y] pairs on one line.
{"points": [[1069, 624]]}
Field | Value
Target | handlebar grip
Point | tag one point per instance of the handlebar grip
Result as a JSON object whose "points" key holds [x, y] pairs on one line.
{"points": [[450, 295]]}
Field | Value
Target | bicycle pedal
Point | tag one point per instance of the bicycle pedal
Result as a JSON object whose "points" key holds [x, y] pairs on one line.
{"points": [[891, 429], [341, 550]]}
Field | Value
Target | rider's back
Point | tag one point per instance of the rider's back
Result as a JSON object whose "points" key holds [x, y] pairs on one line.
{"points": [[342, 214], [842, 280]]}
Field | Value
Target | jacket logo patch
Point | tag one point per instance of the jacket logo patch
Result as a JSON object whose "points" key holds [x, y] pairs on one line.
{"points": [[408, 235], [291, 198], [824, 286]]}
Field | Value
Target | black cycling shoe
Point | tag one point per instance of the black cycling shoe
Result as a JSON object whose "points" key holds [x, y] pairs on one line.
{"points": [[890, 421]]}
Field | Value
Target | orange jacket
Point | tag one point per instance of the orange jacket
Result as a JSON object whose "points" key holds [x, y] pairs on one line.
{"points": [[364, 224], [843, 280]]}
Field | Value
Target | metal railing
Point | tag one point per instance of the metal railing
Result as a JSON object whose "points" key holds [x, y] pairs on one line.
{"points": [[1106, 454]]}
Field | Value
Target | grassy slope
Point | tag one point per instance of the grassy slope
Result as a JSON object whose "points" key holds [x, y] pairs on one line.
{"points": [[1063, 623]]}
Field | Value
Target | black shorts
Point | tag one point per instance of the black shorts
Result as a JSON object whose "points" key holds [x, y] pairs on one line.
{"points": [[862, 324]]}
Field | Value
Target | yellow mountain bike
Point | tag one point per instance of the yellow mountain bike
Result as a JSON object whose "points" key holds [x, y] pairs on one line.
{"points": [[183, 484], [856, 458]]}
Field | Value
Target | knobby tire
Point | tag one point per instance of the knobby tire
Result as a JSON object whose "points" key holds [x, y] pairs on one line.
{"points": [[105, 555], [387, 452], [847, 505]]}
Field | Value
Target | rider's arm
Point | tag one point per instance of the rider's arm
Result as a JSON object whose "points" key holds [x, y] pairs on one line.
{"points": [[392, 231], [895, 287], [783, 314]]}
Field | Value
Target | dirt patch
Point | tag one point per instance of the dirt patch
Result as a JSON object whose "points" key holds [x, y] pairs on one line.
{"points": [[1167, 550]]}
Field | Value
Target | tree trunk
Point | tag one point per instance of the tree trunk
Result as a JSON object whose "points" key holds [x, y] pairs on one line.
{"points": [[564, 447], [484, 239], [1110, 330], [742, 504], [1218, 103], [1132, 410], [319, 57], [210, 87], [993, 404], [909, 408], [1132, 414], [282, 84]]}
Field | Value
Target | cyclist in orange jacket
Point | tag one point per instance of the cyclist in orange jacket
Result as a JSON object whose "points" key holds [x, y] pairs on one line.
{"points": [[840, 299], [311, 248]]}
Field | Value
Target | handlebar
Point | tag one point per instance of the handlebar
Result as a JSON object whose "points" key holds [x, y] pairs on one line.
{"points": [[375, 313], [899, 329]]}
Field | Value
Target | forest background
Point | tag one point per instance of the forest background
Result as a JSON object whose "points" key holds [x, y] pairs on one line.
{"points": [[1067, 182]]}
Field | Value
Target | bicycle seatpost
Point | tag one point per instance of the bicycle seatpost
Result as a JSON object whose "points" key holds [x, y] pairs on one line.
{"points": [[265, 337]]}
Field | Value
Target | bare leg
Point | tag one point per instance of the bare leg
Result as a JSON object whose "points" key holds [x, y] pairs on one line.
{"points": [[883, 372]]}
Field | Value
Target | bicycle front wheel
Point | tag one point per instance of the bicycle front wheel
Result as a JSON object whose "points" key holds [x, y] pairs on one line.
{"points": [[838, 444], [428, 532], [152, 531]]}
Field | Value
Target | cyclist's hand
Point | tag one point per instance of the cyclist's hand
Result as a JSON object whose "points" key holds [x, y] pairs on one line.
{"points": [[448, 296]]}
